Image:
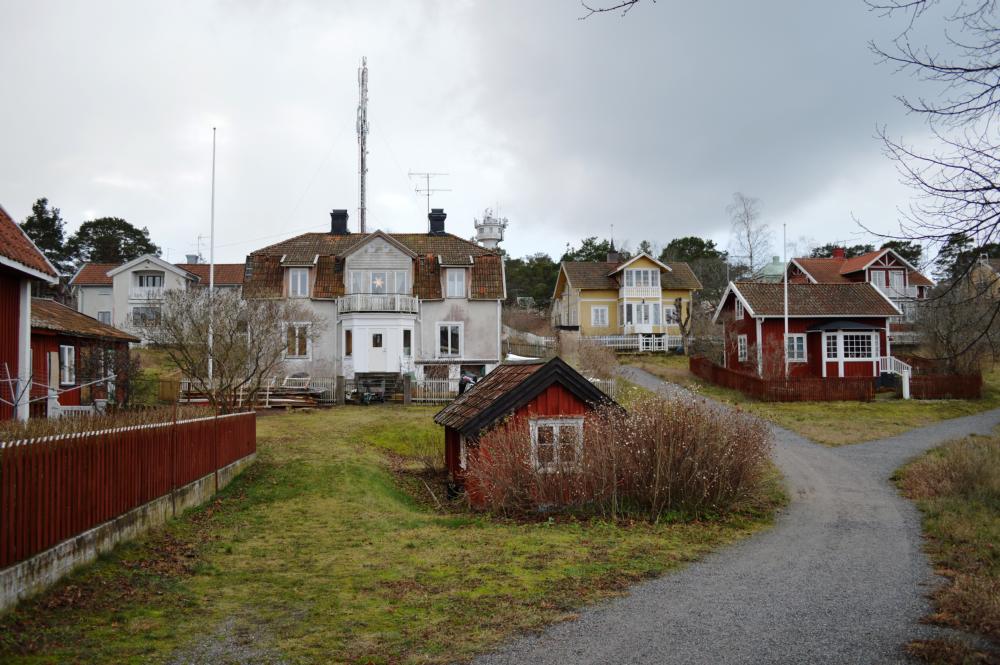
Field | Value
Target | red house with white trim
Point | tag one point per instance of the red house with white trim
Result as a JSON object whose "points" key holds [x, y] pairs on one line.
{"points": [[20, 263], [552, 396], [835, 330]]}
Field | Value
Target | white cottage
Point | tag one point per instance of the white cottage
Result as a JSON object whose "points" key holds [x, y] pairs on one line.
{"points": [[426, 304]]}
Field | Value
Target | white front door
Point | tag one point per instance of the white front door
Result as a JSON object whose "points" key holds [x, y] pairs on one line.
{"points": [[377, 345]]}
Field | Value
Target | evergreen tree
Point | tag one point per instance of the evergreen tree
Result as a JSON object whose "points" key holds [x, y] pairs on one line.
{"points": [[690, 248], [109, 240], [45, 227], [850, 251], [910, 251]]}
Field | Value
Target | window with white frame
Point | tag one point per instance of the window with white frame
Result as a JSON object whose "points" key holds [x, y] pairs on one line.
{"points": [[145, 315], [67, 365], [456, 282], [407, 342], [642, 277], [449, 339], [739, 309], [621, 315], [796, 343], [670, 315], [298, 282], [556, 443], [104, 317], [741, 348], [297, 340], [831, 347], [149, 280], [599, 316], [858, 346], [379, 282]]}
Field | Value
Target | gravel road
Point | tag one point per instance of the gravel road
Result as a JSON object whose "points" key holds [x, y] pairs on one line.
{"points": [[841, 578]]}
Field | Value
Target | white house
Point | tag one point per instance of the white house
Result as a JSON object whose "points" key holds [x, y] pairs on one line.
{"points": [[426, 304], [129, 295]]}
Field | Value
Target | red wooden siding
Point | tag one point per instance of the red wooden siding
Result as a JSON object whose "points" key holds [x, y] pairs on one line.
{"points": [[58, 487], [553, 401], [10, 321]]}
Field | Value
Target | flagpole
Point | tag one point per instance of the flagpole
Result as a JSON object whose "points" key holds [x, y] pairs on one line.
{"points": [[784, 248], [211, 274]]}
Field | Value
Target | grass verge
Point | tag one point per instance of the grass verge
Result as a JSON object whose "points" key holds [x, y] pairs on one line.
{"points": [[317, 554], [957, 488], [831, 423]]}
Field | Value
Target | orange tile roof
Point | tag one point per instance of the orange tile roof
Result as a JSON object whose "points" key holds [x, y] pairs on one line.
{"points": [[835, 271], [17, 247], [94, 274], [49, 315], [225, 273]]}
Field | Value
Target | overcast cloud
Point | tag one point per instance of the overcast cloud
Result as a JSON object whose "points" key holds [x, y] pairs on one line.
{"points": [[648, 122]]}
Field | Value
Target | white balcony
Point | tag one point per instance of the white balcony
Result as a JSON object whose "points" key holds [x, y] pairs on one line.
{"points": [[378, 302], [642, 292], [897, 291], [145, 293], [639, 328]]}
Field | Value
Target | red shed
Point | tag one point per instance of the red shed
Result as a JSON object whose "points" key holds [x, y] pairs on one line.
{"points": [[552, 396], [69, 351], [20, 264], [834, 330]]}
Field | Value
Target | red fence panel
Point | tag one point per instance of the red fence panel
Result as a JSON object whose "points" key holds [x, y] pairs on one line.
{"points": [[946, 386], [785, 390], [57, 487]]}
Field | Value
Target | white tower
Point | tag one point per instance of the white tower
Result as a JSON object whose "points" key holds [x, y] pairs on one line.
{"points": [[489, 230]]}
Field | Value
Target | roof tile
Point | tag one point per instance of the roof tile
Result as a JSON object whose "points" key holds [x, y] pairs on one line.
{"points": [[49, 315], [848, 299], [16, 246]]}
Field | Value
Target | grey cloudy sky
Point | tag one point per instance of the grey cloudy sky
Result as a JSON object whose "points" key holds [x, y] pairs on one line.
{"points": [[649, 122]]}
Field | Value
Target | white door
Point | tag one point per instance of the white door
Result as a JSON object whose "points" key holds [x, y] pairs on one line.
{"points": [[377, 345]]}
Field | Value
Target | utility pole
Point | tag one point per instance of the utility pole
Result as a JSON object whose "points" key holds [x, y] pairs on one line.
{"points": [[211, 274], [784, 252], [427, 189], [362, 143]]}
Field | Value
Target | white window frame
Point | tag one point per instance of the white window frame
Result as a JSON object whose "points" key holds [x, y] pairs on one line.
{"points": [[599, 316], [308, 353], [437, 339], [455, 280], [556, 424], [298, 282], [742, 348], [157, 308], [793, 351], [67, 365], [141, 279], [407, 351], [106, 318], [872, 346], [671, 316], [739, 309]]}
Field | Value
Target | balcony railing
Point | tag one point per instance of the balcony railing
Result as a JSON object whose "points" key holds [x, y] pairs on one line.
{"points": [[641, 292], [897, 291], [378, 302], [145, 293]]}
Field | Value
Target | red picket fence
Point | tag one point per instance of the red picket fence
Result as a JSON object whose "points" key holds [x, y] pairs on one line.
{"points": [[830, 389], [57, 487]]}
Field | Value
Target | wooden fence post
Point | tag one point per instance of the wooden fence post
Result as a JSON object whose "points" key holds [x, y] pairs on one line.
{"points": [[407, 391]]}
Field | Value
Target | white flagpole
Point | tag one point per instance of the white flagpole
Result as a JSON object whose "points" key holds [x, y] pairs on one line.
{"points": [[784, 243], [211, 272]]}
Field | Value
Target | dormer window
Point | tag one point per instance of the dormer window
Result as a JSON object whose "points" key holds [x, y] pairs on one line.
{"points": [[456, 282], [149, 280], [298, 282], [642, 277]]}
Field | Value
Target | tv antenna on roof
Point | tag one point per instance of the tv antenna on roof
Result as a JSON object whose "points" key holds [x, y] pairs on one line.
{"points": [[427, 189]]}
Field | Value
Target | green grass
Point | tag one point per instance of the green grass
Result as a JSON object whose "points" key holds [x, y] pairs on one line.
{"points": [[957, 488], [320, 552], [832, 423]]}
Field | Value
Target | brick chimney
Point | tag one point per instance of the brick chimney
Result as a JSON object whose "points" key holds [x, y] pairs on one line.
{"points": [[436, 218], [338, 223], [839, 253]]}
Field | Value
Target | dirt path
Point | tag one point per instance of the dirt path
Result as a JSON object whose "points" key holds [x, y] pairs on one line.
{"points": [[841, 578]]}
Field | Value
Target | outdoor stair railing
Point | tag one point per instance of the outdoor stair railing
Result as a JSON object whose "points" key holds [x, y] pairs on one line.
{"points": [[893, 365]]}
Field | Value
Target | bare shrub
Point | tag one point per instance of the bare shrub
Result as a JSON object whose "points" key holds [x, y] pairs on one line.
{"points": [[428, 449], [663, 456], [595, 361], [527, 320]]}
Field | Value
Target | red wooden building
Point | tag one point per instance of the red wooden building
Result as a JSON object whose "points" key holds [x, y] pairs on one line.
{"points": [[552, 396], [69, 351], [835, 330], [21, 263]]}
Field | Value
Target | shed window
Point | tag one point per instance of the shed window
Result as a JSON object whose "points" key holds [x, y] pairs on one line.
{"points": [[741, 348], [67, 365], [739, 309], [556, 443]]}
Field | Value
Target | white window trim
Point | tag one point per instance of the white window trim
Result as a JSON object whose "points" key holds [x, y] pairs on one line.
{"points": [[292, 272], [805, 348], [67, 365], [597, 321], [461, 338], [555, 423], [343, 343], [402, 345], [448, 282], [839, 337], [308, 355], [742, 348], [104, 311], [739, 310]]}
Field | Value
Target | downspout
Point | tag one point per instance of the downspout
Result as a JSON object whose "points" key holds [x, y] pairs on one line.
{"points": [[760, 346]]}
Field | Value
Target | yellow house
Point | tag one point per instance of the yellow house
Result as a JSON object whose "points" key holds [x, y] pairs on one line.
{"points": [[641, 296]]}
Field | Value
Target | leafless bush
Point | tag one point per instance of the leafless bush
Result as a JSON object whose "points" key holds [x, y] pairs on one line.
{"points": [[527, 320], [960, 328], [428, 449], [595, 361], [679, 455]]}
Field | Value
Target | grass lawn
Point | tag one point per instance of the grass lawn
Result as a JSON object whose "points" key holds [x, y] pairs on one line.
{"points": [[832, 423], [957, 488], [317, 554]]}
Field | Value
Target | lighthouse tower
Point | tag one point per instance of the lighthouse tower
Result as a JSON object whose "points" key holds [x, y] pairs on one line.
{"points": [[489, 230]]}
